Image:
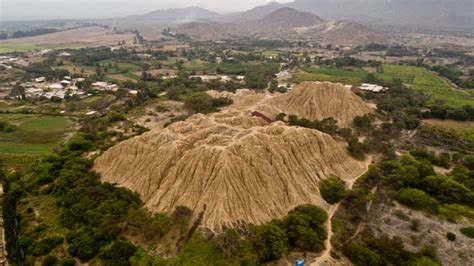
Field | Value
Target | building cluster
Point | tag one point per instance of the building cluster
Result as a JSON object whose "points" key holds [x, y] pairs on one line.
{"points": [[6, 62], [40, 87], [224, 78]]}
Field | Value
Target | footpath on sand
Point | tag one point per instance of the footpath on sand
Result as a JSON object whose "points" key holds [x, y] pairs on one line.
{"points": [[325, 258]]}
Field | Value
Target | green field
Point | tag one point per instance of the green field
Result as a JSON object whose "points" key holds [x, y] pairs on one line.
{"points": [[198, 65], [423, 80], [32, 134], [420, 79], [122, 66], [6, 47], [332, 74]]}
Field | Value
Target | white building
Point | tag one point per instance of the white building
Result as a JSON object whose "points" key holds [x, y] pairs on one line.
{"points": [[372, 87], [40, 79], [104, 86], [56, 86]]}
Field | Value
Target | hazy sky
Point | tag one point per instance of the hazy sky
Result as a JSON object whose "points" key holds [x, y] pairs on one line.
{"points": [[46, 9]]}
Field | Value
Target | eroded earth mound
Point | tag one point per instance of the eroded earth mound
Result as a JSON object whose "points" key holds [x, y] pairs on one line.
{"points": [[238, 167], [318, 100]]}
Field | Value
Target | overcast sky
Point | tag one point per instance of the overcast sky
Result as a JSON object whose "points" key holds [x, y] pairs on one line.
{"points": [[47, 9]]}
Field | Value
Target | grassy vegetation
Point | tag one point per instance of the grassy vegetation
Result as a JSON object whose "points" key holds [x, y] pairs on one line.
{"points": [[32, 135], [423, 80], [84, 70], [331, 74], [123, 67], [18, 47], [273, 53], [198, 65], [465, 129]]}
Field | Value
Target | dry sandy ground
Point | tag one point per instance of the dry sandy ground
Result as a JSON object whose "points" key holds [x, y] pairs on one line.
{"points": [[397, 221], [87, 36]]}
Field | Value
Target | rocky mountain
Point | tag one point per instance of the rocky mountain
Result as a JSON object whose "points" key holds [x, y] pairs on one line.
{"points": [[254, 13], [234, 167], [178, 15], [419, 14], [343, 31], [285, 18], [285, 23]]}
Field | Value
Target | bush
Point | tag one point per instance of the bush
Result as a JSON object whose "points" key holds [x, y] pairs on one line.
{"points": [[68, 262], [364, 122], [450, 236], [332, 189], [117, 253], [85, 243], [164, 222], [467, 231], [201, 102], [361, 256], [50, 260], [417, 199], [44, 246], [269, 241], [229, 242], [356, 149], [415, 224]]}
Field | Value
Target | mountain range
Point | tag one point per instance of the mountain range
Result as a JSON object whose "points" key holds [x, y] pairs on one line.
{"points": [[452, 15], [284, 23]]}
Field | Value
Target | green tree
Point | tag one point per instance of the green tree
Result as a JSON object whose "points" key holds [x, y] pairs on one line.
{"points": [[417, 199], [269, 241], [117, 253], [361, 256], [332, 189]]}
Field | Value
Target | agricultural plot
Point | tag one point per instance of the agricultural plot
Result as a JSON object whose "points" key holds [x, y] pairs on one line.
{"points": [[119, 67], [465, 129], [30, 136], [423, 80], [89, 36], [18, 47], [332, 74], [198, 65]]}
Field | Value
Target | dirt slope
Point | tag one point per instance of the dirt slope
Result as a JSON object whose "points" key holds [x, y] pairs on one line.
{"points": [[242, 168], [318, 100]]}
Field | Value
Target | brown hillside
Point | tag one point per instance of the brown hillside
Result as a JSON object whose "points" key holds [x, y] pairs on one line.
{"points": [[344, 31], [244, 170], [318, 100]]}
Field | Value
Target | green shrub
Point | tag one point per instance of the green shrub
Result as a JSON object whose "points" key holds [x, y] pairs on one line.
{"points": [[417, 199], [356, 149], [164, 222], [68, 262], [467, 231], [117, 253], [361, 256], [44, 246], [269, 241], [450, 236], [50, 260], [332, 189]]}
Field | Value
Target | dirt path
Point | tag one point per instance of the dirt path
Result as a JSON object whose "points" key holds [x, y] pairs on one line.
{"points": [[325, 258]]}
